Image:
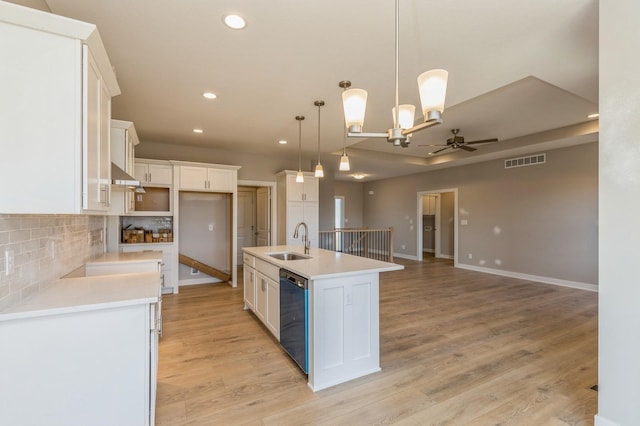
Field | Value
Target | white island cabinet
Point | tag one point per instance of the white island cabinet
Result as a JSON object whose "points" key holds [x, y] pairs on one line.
{"points": [[56, 84], [82, 352], [343, 311]]}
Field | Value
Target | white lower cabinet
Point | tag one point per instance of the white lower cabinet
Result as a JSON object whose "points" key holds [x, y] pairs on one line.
{"points": [[169, 266], [249, 280], [262, 292], [89, 367]]}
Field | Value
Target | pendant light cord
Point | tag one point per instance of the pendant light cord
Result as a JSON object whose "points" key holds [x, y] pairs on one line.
{"points": [[397, 110], [299, 118]]}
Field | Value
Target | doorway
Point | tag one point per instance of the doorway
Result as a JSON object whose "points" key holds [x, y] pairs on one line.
{"points": [[256, 215], [437, 230]]}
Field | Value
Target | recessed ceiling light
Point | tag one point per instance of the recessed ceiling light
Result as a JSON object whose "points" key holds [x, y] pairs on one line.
{"points": [[282, 142], [235, 22], [359, 176], [594, 115], [198, 131], [209, 95]]}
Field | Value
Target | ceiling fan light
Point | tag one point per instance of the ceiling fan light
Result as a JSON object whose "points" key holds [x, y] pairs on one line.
{"points": [[433, 89], [344, 163], [319, 171], [407, 114], [299, 177], [354, 102]]}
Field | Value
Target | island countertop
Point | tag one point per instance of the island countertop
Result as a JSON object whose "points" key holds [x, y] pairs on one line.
{"points": [[322, 263]]}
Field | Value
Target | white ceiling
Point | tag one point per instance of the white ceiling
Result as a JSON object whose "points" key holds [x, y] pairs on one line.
{"points": [[517, 70]]}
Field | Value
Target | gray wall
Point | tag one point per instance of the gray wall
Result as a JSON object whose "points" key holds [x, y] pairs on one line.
{"points": [[539, 220], [353, 202]]}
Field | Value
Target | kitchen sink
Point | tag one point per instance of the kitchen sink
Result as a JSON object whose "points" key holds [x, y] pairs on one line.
{"points": [[288, 256]]}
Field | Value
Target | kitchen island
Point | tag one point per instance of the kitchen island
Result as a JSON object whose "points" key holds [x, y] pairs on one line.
{"points": [[342, 312]]}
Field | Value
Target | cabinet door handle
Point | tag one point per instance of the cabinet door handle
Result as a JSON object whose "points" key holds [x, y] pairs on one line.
{"points": [[149, 176]]}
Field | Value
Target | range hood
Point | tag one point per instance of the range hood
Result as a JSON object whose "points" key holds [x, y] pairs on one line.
{"points": [[122, 180]]}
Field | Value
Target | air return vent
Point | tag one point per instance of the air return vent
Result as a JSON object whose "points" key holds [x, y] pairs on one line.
{"points": [[530, 160]]}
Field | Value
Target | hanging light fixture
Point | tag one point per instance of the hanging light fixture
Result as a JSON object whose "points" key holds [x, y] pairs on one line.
{"points": [[319, 171], [299, 175], [344, 160], [432, 86]]}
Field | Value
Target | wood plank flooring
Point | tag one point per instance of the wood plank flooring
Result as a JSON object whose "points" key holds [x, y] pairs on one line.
{"points": [[457, 348]]}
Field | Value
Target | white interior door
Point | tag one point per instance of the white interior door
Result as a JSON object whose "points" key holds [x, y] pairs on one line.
{"points": [[246, 219], [263, 216]]}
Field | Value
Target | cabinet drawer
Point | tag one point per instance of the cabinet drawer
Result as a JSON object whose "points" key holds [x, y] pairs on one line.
{"points": [[249, 260], [269, 270]]}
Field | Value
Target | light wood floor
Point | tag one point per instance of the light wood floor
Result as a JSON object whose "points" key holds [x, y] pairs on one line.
{"points": [[457, 348]]}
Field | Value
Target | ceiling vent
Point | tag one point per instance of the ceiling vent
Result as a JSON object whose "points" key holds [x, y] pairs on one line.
{"points": [[530, 160]]}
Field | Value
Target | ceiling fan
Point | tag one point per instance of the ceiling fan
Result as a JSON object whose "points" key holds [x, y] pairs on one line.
{"points": [[456, 142]]}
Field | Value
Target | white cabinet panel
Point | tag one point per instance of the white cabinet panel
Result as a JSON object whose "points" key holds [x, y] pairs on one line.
{"points": [[206, 179], [297, 202], [262, 292], [78, 368], [249, 281], [153, 173], [64, 135]]}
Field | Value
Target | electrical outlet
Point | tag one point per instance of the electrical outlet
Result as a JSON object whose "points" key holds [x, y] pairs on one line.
{"points": [[470, 256], [194, 271], [53, 248], [210, 227], [89, 238], [9, 262]]}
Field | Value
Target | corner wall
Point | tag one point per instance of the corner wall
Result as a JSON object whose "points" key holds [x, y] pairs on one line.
{"points": [[619, 296]]}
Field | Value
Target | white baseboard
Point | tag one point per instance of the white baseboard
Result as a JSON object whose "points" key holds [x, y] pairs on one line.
{"points": [[445, 256], [196, 281], [405, 256], [537, 278], [601, 421]]}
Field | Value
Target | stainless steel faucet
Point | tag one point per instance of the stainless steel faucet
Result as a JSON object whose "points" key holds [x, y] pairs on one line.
{"points": [[305, 237]]}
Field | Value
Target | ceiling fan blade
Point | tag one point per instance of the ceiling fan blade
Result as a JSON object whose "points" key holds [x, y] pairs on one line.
{"points": [[482, 141], [440, 150], [467, 148]]}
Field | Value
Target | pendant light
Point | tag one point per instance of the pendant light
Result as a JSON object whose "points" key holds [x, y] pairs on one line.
{"points": [[432, 86], [344, 160], [299, 175], [319, 172]]}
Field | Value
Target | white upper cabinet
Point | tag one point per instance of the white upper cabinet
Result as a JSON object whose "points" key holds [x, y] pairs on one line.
{"points": [[297, 202], [150, 173], [304, 191], [123, 141], [207, 177], [55, 113]]}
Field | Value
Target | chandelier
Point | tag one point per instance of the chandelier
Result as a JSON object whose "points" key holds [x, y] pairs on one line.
{"points": [[432, 86]]}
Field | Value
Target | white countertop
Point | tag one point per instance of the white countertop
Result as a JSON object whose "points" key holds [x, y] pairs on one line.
{"points": [[135, 257], [68, 295], [323, 263]]}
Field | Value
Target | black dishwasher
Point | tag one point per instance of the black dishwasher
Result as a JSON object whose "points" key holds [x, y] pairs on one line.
{"points": [[294, 307]]}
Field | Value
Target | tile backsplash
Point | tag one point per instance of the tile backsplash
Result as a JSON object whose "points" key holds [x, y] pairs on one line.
{"points": [[45, 247]]}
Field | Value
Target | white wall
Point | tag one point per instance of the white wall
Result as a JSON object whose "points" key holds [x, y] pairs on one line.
{"points": [[619, 297]]}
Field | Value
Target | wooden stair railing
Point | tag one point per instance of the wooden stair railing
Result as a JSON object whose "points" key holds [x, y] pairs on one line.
{"points": [[209, 270]]}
